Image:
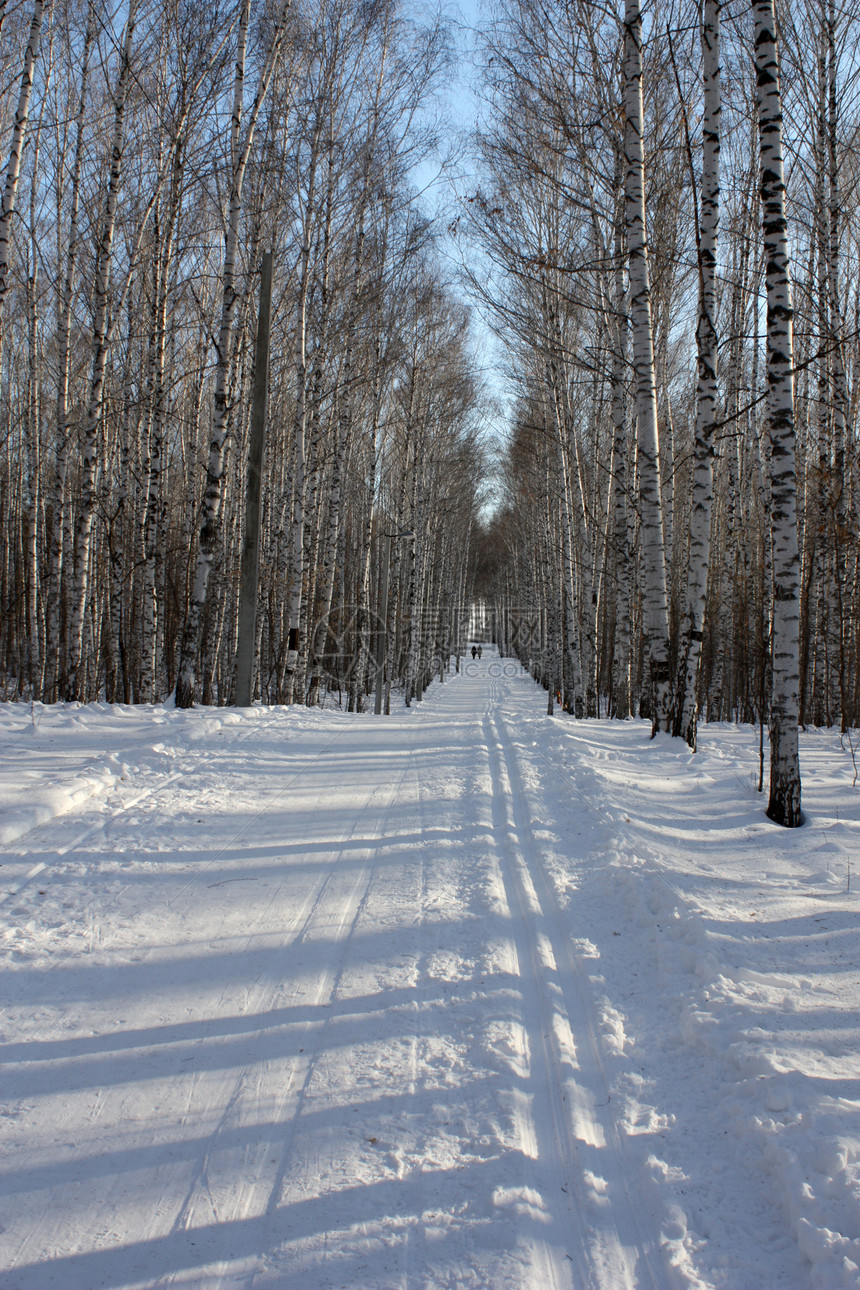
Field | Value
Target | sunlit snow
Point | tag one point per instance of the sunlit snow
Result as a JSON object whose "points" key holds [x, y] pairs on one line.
{"points": [[461, 997]]}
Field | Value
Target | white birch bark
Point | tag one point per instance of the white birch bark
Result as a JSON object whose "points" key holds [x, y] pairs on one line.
{"points": [[654, 597], [312, 510], [816, 588], [361, 672], [416, 553], [54, 664], [155, 461], [13, 168], [100, 341], [343, 422], [240, 149], [33, 435], [186, 680], [317, 644], [840, 386], [552, 653], [298, 563], [706, 394], [558, 434], [785, 789], [115, 669], [621, 654]]}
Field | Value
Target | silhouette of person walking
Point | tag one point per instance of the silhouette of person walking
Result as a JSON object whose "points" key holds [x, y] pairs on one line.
{"points": [[474, 650]]}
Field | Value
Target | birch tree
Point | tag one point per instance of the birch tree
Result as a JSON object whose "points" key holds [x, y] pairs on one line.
{"points": [[59, 555], [240, 149], [656, 608], [13, 168], [706, 393], [784, 801], [100, 345]]}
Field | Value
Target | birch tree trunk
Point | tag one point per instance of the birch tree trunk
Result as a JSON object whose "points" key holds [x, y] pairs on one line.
{"points": [[341, 441], [414, 594], [54, 663], [559, 436], [154, 466], [13, 169], [33, 437], [706, 394], [186, 680], [839, 386], [654, 598], [617, 326], [298, 562], [784, 803], [99, 352]]}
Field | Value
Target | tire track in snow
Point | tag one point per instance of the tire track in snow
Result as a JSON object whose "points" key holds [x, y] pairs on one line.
{"points": [[571, 1109]]}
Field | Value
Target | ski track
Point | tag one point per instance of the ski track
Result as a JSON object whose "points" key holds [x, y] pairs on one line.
{"points": [[309, 1002], [610, 1247], [337, 913], [39, 838]]}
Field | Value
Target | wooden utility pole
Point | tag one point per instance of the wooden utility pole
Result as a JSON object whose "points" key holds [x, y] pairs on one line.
{"points": [[250, 575]]}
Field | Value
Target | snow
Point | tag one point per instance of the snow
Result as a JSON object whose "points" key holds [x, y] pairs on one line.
{"points": [[462, 997]]}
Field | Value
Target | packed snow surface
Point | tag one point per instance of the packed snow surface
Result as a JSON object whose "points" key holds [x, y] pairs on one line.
{"points": [[461, 997]]}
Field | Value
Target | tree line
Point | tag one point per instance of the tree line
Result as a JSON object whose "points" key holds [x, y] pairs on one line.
{"points": [[154, 151], [665, 236], [668, 204]]}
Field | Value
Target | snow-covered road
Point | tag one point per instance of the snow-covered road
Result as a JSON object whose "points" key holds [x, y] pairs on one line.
{"points": [[461, 997]]}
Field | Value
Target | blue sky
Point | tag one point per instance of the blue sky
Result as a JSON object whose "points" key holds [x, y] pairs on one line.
{"points": [[460, 106]]}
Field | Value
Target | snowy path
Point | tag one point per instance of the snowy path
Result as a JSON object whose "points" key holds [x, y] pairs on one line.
{"points": [[437, 1000]]}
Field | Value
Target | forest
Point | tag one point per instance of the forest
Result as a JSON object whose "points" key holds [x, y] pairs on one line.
{"points": [[656, 213]]}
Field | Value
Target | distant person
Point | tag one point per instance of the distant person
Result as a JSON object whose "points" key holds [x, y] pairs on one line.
{"points": [[474, 650], [479, 651]]}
